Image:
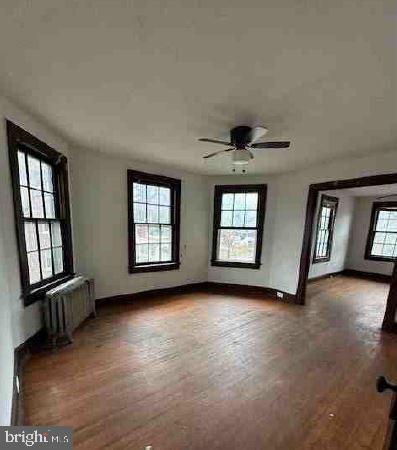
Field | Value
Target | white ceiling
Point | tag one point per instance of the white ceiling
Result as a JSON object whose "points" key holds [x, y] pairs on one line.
{"points": [[146, 78]]}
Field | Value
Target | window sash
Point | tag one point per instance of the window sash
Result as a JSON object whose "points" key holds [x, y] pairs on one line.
{"points": [[24, 146], [377, 208], [220, 191], [324, 233], [174, 218]]}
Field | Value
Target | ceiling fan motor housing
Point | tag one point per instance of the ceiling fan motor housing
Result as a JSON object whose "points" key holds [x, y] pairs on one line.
{"points": [[240, 136]]}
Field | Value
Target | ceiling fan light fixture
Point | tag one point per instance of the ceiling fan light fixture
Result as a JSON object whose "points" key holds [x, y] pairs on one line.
{"points": [[240, 157]]}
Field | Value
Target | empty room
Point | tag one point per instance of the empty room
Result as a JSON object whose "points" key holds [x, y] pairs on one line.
{"points": [[198, 229]]}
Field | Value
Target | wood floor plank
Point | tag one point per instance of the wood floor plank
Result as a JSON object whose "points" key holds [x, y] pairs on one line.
{"points": [[210, 371]]}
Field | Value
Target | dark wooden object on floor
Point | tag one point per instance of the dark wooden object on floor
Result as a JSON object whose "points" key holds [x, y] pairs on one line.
{"points": [[391, 435]]}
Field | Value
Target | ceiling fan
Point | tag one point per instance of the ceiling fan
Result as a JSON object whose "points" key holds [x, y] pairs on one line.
{"points": [[243, 139]]}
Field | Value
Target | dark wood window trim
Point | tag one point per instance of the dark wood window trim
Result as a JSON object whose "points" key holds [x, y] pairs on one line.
{"points": [[261, 189], [19, 139], [161, 181], [376, 208], [332, 202]]}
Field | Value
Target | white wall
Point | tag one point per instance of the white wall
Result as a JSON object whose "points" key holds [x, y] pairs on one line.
{"points": [[99, 188], [356, 251], [340, 242], [17, 323]]}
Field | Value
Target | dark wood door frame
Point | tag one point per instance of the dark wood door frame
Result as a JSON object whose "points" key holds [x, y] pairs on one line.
{"points": [[389, 323]]}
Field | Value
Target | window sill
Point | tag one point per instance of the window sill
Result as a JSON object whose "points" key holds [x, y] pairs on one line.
{"points": [[38, 294], [154, 268], [237, 265], [321, 260], [381, 259]]}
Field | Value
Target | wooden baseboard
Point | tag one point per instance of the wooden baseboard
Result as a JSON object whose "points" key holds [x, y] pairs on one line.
{"points": [[182, 289], [323, 277], [381, 278], [208, 286], [242, 289], [21, 354]]}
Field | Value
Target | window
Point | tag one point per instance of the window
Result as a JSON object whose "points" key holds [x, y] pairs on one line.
{"points": [[42, 216], [239, 213], [325, 229], [382, 236], [153, 222]]}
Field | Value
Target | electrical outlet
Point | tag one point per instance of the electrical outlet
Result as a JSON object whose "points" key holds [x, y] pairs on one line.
{"points": [[280, 294]]}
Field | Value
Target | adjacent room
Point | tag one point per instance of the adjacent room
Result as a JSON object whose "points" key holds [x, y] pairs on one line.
{"points": [[198, 229], [354, 245]]}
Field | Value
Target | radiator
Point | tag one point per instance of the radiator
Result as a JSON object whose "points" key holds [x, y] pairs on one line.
{"points": [[66, 307]]}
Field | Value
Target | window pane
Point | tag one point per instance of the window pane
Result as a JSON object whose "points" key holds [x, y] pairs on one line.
{"points": [[152, 214], [36, 200], [44, 235], [250, 218], [58, 260], [226, 218], [49, 206], [165, 214], [30, 236], [56, 234], [383, 215], [165, 252], [381, 225], [165, 196], [166, 232], [34, 172], [141, 252], [22, 168], [379, 238], [377, 249], [154, 233], [237, 245], [393, 215], [140, 193], [391, 238], [392, 226], [153, 194], [252, 200], [154, 252], [238, 218], [46, 172], [25, 202], [227, 201], [141, 234], [34, 267], [387, 250], [139, 213], [239, 201], [46, 263]]}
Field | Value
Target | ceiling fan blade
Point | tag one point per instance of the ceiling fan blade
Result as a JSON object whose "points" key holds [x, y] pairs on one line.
{"points": [[214, 141], [257, 133], [279, 144], [217, 153]]}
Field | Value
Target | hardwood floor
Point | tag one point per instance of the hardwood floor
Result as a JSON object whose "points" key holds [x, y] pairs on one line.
{"points": [[205, 371]]}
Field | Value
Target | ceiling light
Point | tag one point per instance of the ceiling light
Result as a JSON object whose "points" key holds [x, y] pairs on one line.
{"points": [[240, 157]]}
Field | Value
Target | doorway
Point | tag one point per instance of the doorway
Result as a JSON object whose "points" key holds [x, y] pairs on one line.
{"points": [[315, 243]]}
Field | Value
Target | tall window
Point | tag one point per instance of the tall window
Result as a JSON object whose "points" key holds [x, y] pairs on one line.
{"points": [[382, 236], [41, 203], [154, 216], [325, 229], [239, 213]]}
